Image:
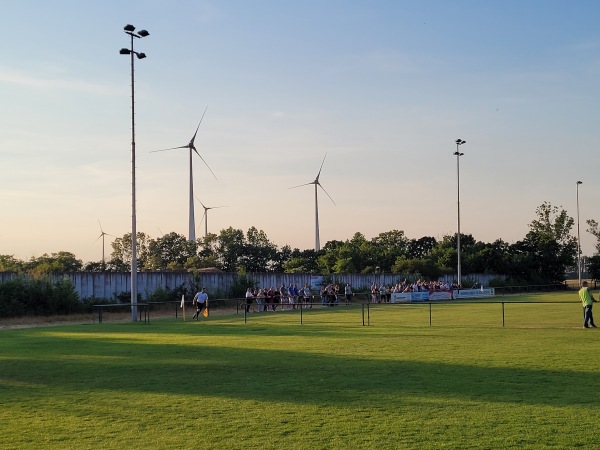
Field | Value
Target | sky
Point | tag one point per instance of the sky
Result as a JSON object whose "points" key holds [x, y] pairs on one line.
{"points": [[383, 88]]}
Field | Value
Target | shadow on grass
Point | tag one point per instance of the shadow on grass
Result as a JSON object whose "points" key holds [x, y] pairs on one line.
{"points": [[95, 363]]}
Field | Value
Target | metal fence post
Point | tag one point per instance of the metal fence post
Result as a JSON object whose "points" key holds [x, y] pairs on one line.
{"points": [[429, 313]]}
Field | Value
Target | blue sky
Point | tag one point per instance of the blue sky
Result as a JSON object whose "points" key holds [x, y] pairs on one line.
{"points": [[383, 87]]}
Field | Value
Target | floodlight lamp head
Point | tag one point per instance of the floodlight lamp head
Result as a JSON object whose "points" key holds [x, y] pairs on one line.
{"points": [[124, 51], [129, 28], [140, 55], [143, 33]]}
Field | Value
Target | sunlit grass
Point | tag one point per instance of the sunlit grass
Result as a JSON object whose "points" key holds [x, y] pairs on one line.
{"points": [[464, 382]]}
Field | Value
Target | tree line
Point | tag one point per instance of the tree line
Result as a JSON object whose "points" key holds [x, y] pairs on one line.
{"points": [[542, 256]]}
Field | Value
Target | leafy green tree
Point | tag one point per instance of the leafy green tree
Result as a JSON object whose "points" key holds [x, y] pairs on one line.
{"points": [[260, 254], [171, 251], [230, 248], [549, 243], [388, 247], [53, 263], [423, 267], [8, 263], [121, 254], [594, 230], [94, 266], [420, 248], [304, 261]]}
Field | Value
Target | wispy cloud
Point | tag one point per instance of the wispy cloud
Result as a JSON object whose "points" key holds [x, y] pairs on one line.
{"points": [[10, 76]]}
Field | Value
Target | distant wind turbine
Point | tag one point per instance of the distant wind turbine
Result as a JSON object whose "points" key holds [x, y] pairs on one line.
{"points": [[192, 147], [102, 234], [317, 183], [205, 215]]}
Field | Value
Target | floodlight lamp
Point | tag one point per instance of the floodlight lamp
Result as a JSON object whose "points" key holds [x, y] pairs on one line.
{"points": [[143, 33], [140, 55], [129, 27], [124, 51]]}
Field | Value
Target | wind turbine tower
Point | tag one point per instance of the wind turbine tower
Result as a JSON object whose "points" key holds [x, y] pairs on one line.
{"points": [[317, 183], [192, 148], [102, 234], [205, 215]]}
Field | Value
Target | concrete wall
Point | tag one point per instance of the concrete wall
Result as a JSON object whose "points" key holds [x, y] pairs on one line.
{"points": [[109, 284]]}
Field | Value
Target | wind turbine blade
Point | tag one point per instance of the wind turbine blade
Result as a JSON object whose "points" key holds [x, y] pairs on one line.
{"points": [[326, 193], [319, 174], [199, 201], [203, 216], [97, 239], [194, 137], [194, 148], [300, 185], [167, 149]]}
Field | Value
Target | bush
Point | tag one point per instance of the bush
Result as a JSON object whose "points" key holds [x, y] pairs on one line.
{"points": [[38, 297]]}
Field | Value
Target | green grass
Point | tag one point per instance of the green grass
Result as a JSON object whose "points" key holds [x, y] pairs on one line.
{"points": [[464, 382]]}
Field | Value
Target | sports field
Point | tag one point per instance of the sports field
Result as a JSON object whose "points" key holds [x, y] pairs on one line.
{"points": [[328, 383]]}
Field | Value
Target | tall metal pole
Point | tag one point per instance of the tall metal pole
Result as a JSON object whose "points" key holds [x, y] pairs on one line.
{"points": [[578, 238], [133, 202], [317, 240], [458, 155], [192, 222], [129, 29]]}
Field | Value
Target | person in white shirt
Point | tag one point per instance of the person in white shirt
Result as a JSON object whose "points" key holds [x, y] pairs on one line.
{"points": [[201, 302]]}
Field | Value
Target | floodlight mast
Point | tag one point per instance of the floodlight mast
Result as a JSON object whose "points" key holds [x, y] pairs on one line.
{"points": [[130, 30], [458, 154], [578, 238]]}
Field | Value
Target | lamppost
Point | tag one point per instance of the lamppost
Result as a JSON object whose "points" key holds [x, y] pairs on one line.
{"points": [[130, 30], [458, 154], [578, 238]]}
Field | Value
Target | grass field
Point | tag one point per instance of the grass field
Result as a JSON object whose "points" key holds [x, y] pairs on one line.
{"points": [[464, 382]]}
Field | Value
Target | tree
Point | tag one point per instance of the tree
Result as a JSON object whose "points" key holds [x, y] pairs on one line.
{"points": [[550, 244], [423, 267], [388, 247], [594, 230], [8, 263], [121, 254], [54, 263], [171, 251], [421, 248], [259, 254], [230, 247], [304, 261]]}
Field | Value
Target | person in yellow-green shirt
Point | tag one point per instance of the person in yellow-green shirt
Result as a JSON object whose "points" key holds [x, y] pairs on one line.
{"points": [[587, 299]]}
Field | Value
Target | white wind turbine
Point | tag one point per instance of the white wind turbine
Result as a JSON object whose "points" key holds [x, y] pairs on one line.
{"points": [[102, 234], [192, 148], [317, 183], [205, 215]]}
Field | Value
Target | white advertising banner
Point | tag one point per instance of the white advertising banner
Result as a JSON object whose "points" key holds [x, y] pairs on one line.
{"points": [[473, 293]]}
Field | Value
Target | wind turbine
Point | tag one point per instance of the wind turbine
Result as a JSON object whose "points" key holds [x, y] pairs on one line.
{"points": [[102, 234], [205, 215], [192, 147], [317, 183]]}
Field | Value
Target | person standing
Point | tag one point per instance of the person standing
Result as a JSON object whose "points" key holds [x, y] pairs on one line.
{"points": [[201, 302], [348, 293], [587, 299], [249, 297]]}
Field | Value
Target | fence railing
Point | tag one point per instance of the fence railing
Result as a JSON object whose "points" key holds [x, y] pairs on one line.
{"points": [[364, 307]]}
